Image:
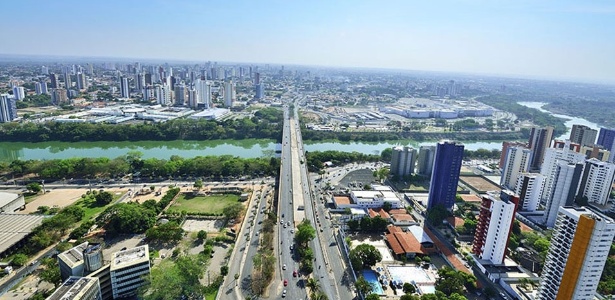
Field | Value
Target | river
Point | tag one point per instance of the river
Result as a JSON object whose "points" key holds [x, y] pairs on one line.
{"points": [[569, 120], [243, 148]]}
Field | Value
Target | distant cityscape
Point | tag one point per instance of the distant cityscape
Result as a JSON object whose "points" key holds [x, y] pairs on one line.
{"points": [[530, 220]]}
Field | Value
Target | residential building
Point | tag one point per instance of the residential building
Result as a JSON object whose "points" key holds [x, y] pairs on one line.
{"points": [[583, 135], [149, 93], [606, 139], [82, 82], [54, 81], [124, 88], [140, 81], [128, 269], [505, 146], [78, 288], [19, 93], [445, 175], [539, 141], [259, 93], [402, 161], [597, 181], [566, 184], [495, 221], [549, 166], [229, 94], [424, 165], [163, 94], [559, 144], [596, 151], [204, 93], [579, 248], [529, 188], [59, 96], [193, 98], [517, 161], [67, 81], [8, 108], [40, 87], [180, 94]]}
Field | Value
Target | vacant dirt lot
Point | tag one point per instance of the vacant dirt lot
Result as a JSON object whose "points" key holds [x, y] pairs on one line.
{"points": [[480, 184], [60, 197]]}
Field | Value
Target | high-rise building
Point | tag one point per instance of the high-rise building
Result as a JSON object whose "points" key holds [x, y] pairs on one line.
{"points": [[549, 166], [204, 92], [67, 81], [19, 93], [59, 96], [128, 269], [517, 161], [259, 93], [559, 144], [445, 175], [495, 221], [163, 94], [40, 87], [78, 288], [180, 94], [424, 164], [90, 70], [124, 88], [54, 81], [229, 93], [403, 160], [82, 82], [579, 248], [80, 260], [566, 184], [540, 140], [148, 93], [193, 98], [606, 139], [583, 135], [140, 81], [44, 70], [529, 188], [8, 108], [596, 151], [597, 181], [505, 146]]}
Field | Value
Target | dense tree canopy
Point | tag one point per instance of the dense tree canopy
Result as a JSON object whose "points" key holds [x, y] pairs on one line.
{"points": [[364, 255], [127, 218]]}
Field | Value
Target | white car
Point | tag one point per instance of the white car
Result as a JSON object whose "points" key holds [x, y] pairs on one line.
{"points": [[284, 267]]}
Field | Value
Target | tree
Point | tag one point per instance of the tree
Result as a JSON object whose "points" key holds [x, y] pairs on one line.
{"points": [[34, 187], [175, 281], [387, 206], [51, 271], [305, 233], [103, 198], [313, 284], [451, 281], [363, 286], [364, 255], [198, 184], [409, 288], [169, 232], [437, 214], [233, 211], [372, 297], [409, 297], [127, 218], [19, 260], [201, 235], [224, 270]]}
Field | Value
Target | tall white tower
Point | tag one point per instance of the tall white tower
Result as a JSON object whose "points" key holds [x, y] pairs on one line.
{"points": [[517, 161]]}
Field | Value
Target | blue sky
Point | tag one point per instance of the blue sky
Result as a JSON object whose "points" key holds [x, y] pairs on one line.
{"points": [[538, 38]]}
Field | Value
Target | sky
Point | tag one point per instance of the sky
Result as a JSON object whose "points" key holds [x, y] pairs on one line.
{"points": [[553, 39]]}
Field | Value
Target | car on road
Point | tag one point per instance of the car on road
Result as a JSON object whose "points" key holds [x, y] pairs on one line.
{"points": [[291, 247], [284, 268], [285, 282], [284, 294], [295, 273]]}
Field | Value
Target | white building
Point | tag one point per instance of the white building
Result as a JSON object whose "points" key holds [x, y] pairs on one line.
{"points": [[127, 270], [40, 87], [204, 92], [579, 248], [78, 288], [403, 160], [597, 181], [229, 94], [529, 188], [163, 94], [124, 88], [549, 166], [517, 161], [424, 164], [374, 199], [19, 93], [494, 225], [567, 180], [10, 202]]}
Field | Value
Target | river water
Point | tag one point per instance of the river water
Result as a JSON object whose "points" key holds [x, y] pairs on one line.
{"points": [[243, 148]]}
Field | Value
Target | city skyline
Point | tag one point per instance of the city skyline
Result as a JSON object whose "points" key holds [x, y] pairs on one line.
{"points": [[548, 40]]}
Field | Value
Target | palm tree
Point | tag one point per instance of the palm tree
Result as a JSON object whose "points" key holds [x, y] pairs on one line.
{"points": [[313, 284], [319, 295]]}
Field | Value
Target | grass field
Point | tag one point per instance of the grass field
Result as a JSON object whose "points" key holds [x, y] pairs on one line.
{"points": [[91, 208], [213, 204]]}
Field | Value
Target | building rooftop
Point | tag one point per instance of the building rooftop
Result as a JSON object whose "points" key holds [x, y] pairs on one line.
{"points": [[73, 256], [129, 257], [13, 228], [378, 212], [419, 234], [342, 200], [6, 198], [73, 288]]}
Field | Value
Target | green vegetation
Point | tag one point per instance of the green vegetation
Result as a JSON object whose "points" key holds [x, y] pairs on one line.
{"points": [[363, 286], [344, 136], [206, 205], [607, 281], [368, 224], [509, 103], [35, 101], [169, 232], [51, 271], [364, 256], [91, 206], [451, 281], [305, 233], [481, 154], [316, 159], [127, 218], [266, 123], [34, 187], [265, 258]]}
